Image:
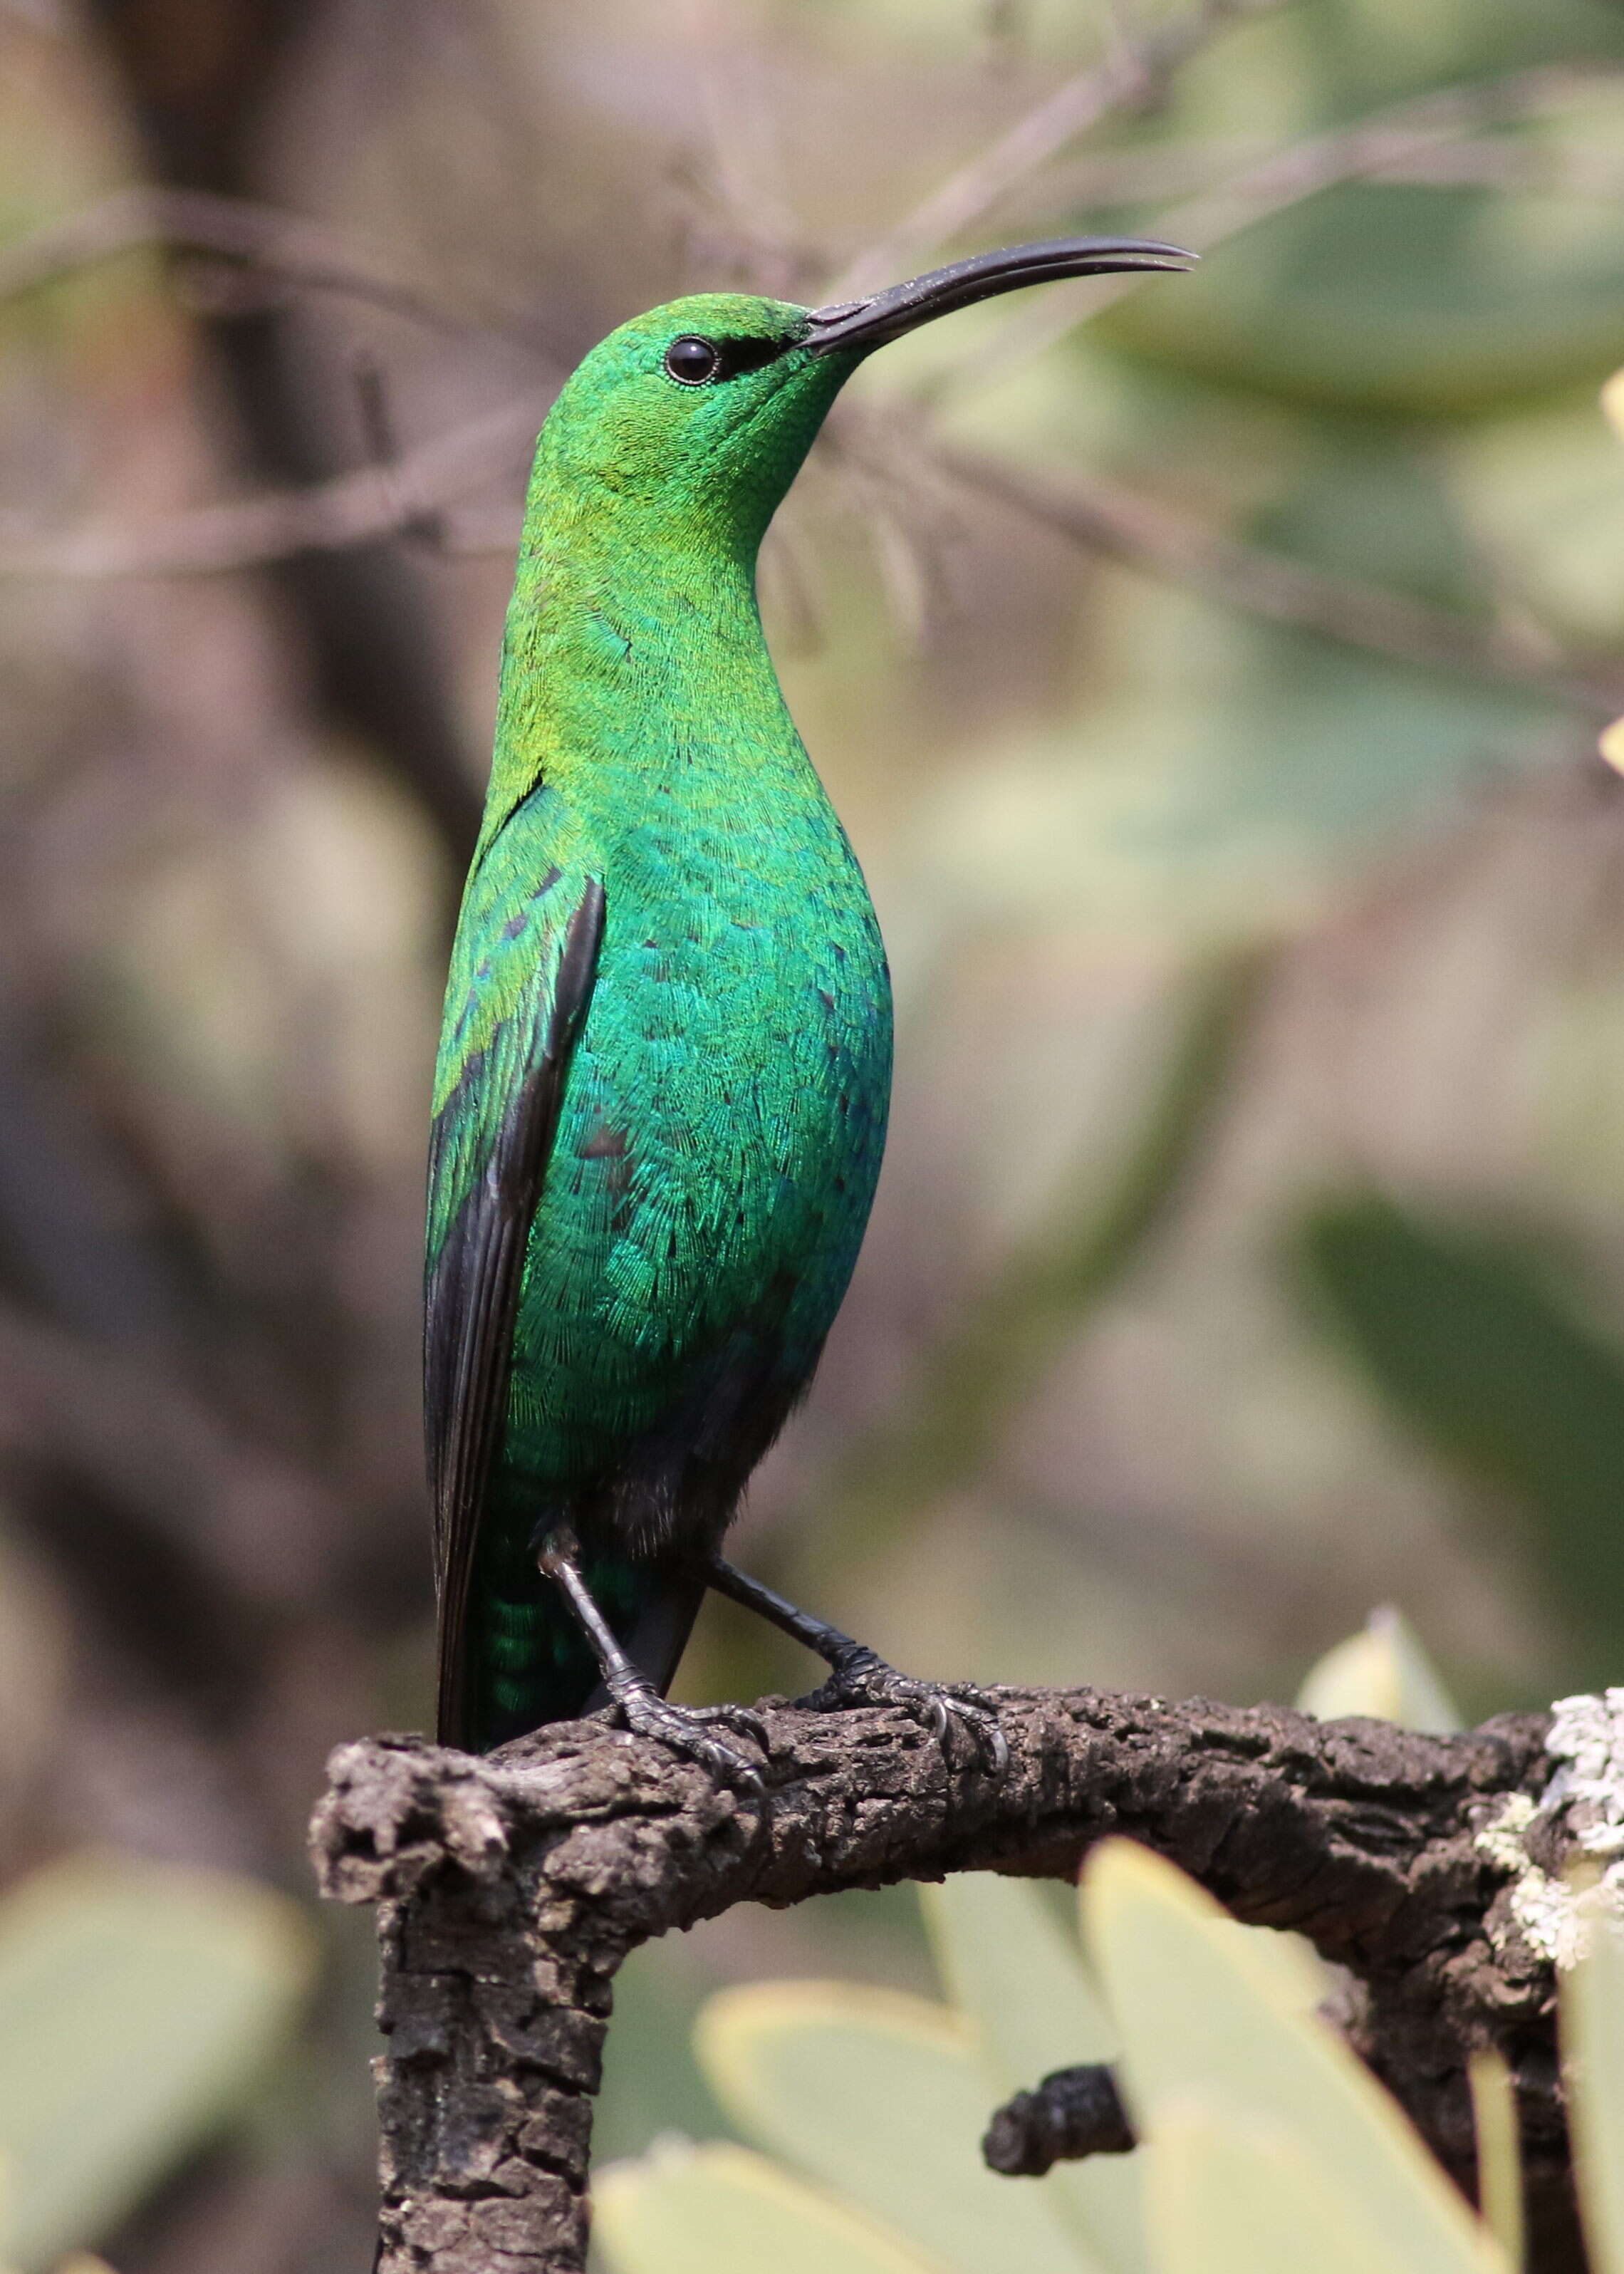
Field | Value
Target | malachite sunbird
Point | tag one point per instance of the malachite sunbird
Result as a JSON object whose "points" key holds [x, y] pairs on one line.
{"points": [[661, 1093]]}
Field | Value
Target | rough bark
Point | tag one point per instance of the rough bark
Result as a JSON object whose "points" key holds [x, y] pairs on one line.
{"points": [[510, 1889]]}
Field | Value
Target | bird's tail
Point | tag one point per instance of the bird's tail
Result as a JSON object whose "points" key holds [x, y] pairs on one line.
{"points": [[527, 1660]]}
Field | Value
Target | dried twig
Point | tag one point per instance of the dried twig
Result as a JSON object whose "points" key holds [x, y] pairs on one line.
{"points": [[1379, 146], [1150, 175], [1132, 75], [1129, 526], [1401, 134], [308, 255], [404, 494], [375, 500]]}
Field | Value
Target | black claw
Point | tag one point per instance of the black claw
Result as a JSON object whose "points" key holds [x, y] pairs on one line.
{"points": [[981, 1719], [744, 1719]]}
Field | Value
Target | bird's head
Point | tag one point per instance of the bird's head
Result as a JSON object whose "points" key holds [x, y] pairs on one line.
{"points": [[698, 414]]}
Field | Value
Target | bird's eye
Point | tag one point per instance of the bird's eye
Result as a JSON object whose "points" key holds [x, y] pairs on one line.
{"points": [[693, 360]]}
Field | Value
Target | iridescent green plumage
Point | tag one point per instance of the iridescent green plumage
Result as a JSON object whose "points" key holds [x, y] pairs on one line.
{"points": [[723, 1112], [660, 1100]]}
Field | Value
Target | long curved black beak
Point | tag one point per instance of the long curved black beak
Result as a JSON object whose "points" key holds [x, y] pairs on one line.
{"points": [[882, 316]]}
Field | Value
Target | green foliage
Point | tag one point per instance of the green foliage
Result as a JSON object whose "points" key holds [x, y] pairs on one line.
{"points": [[1466, 1338], [1592, 2019], [1412, 299], [882, 2099], [1016, 1976], [1233, 2199], [698, 2210], [138, 2006], [1205, 2025], [1383, 1672], [1499, 2158]]}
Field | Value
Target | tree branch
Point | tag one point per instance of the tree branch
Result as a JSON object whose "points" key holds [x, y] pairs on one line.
{"points": [[511, 1889], [309, 256], [1127, 526], [374, 501]]}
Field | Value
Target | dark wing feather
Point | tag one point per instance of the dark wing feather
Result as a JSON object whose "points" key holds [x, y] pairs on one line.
{"points": [[510, 1093]]}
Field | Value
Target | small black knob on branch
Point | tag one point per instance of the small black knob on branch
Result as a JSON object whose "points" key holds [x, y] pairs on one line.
{"points": [[1073, 2112]]}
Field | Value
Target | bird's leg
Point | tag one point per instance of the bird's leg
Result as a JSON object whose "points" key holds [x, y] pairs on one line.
{"points": [[861, 1676], [637, 1700]]}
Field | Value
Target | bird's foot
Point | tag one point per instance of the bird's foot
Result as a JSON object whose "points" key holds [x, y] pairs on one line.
{"points": [[686, 1730], [861, 1676]]}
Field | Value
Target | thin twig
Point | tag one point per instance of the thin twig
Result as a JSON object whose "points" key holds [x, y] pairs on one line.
{"points": [[1535, 168], [1128, 526], [1128, 78], [1401, 134], [1113, 179], [353, 509], [1403, 131], [309, 255]]}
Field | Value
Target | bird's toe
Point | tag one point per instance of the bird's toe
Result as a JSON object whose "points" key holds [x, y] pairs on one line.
{"points": [[867, 1680], [976, 1713], [744, 1718], [684, 1729]]}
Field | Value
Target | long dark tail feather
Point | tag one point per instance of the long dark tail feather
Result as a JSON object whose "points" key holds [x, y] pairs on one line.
{"points": [[528, 1662]]}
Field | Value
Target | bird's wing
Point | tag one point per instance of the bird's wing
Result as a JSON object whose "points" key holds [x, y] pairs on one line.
{"points": [[522, 974]]}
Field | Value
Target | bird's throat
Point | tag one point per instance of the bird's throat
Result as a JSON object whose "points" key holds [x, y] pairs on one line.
{"points": [[625, 669]]}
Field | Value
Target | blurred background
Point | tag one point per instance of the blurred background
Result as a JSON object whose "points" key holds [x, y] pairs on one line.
{"points": [[1209, 673]]}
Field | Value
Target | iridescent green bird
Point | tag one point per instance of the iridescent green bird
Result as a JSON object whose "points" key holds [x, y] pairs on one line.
{"points": [[661, 1094]]}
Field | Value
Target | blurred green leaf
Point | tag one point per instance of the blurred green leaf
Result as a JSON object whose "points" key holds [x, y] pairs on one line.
{"points": [[1015, 1975], [1461, 1334], [721, 2210], [1405, 298], [1228, 2195], [1382, 1672], [971, 1380], [652, 2084], [1542, 492], [1216, 784], [1591, 1997], [1298, 1981], [1018, 1978], [1395, 299], [1500, 2149], [138, 2003], [883, 2099], [1205, 2016]]}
